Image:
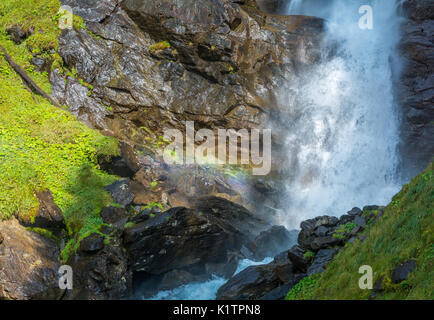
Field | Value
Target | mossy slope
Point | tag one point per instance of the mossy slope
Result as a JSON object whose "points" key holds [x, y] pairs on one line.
{"points": [[405, 232], [41, 146]]}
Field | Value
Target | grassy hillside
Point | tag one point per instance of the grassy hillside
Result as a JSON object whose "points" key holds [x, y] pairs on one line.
{"points": [[41, 146], [406, 231]]}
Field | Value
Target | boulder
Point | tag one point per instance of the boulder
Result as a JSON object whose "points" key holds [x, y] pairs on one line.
{"points": [[296, 255], [256, 282], [273, 241], [92, 243], [317, 233], [321, 260], [100, 274], [114, 216], [402, 271], [48, 215], [28, 264], [120, 192]]}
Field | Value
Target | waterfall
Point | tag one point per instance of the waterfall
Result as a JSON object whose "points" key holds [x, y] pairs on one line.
{"points": [[343, 122]]}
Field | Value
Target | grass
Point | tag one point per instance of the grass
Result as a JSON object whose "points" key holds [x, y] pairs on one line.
{"points": [[41, 146], [159, 46], [404, 232]]}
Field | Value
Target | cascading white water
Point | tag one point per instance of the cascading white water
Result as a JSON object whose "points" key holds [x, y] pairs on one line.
{"points": [[343, 129]]}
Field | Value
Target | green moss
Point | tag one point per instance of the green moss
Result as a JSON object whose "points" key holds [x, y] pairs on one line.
{"points": [[404, 232], [309, 255], [304, 289], [41, 146], [129, 225], [159, 46], [44, 232]]}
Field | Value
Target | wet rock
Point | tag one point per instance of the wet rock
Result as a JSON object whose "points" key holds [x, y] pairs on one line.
{"points": [[201, 241], [360, 221], [49, 215], [120, 192], [92, 243], [174, 279], [273, 241], [296, 255], [101, 275], [256, 282], [416, 92], [321, 260], [402, 271], [114, 216], [28, 264], [142, 216]]}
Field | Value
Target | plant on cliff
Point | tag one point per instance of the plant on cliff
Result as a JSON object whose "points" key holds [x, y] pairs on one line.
{"points": [[405, 232], [41, 146]]}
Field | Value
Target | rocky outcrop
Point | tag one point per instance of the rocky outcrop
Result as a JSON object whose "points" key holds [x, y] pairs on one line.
{"points": [[146, 65], [28, 264], [416, 90], [48, 216], [319, 240], [256, 282], [101, 271]]}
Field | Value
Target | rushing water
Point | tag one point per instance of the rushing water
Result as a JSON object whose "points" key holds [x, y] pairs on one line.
{"points": [[343, 127], [203, 290]]}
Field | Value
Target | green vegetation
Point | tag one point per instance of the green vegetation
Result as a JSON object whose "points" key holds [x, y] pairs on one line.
{"points": [[159, 46], [344, 230], [41, 146], [304, 289], [153, 205], [404, 232], [44, 232], [309, 255]]}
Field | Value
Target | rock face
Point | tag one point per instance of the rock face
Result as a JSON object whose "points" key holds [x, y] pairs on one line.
{"points": [[28, 264], [173, 246], [101, 272], [219, 63], [417, 86], [319, 240]]}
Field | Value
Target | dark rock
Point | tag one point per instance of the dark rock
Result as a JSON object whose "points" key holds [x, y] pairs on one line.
{"points": [[346, 218], [402, 271], [104, 275], [371, 208], [324, 242], [280, 292], [355, 212], [175, 278], [360, 221], [416, 93], [42, 64], [322, 258], [296, 255], [92, 243], [256, 282], [209, 237], [142, 216], [316, 233], [120, 192], [28, 264], [272, 241], [273, 6], [114, 216], [17, 33], [49, 215]]}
